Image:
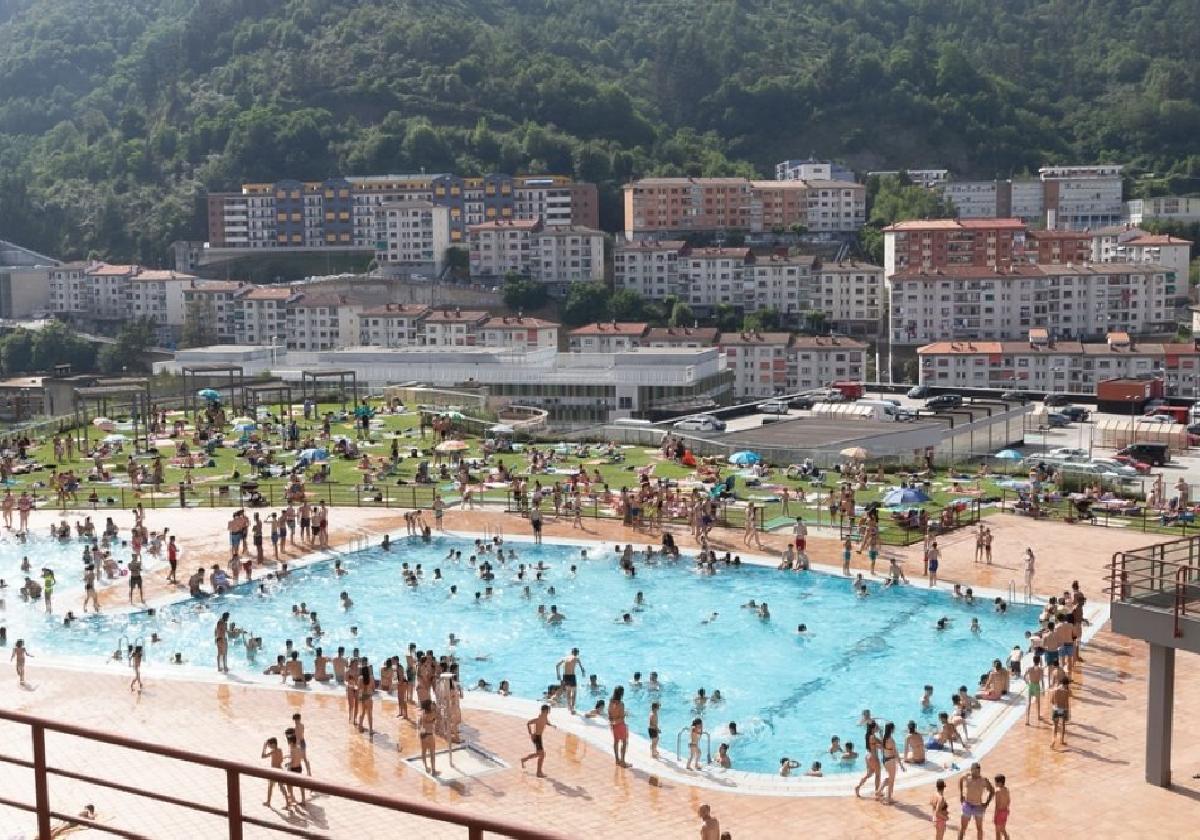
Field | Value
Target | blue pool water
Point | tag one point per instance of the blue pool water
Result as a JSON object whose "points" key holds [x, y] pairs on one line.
{"points": [[787, 694]]}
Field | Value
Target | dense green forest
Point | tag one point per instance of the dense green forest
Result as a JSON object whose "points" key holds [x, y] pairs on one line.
{"points": [[116, 115]]}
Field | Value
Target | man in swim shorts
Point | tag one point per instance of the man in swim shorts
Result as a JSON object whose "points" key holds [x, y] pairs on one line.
{"points": [[976, 793], [537, 728], [568, 678]]}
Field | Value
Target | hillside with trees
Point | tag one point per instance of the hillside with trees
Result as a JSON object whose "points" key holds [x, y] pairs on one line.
{"points": [[116, 115]]}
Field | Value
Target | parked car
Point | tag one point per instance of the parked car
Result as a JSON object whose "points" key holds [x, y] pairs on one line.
{"points": [[1077, 413], [773, 407], [1114, 467], [803, 402], [700, 423], [919, 392], [944, 401], [1155, 454], [1017, 396], [1056, 399], [1141, 466], [1157, 418], [1194, 434], [1070, 453], [1055, 420]]}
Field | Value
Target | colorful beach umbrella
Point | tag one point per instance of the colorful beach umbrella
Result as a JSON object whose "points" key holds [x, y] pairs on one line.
{"points": [[905, 496], [744, 458], [1008, 455], [856, 453], [208, 394]]}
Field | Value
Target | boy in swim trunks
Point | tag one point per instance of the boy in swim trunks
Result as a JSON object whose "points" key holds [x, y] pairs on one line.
{"points": [[1003, 802], [971, 790], [1060, 710], [537, 728]]}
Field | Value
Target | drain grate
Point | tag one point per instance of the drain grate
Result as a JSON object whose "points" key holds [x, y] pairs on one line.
{"points": [[461, 763]]}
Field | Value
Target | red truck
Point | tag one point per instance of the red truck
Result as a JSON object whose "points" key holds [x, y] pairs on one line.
{"points": [[850, 390]]}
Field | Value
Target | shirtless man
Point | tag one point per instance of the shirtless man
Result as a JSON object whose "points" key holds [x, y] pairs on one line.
{"points": [[1060, 710], [537, 729], [710, 829], [568, 678], [221, 637], [976, 792], [426, 729], [89, 589], [271, 750]]}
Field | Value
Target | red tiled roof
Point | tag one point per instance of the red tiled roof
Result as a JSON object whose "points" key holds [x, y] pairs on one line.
{"points": [[653, 245], [827, 342], [396, 310], [507, 224], [942, 348], [630, 328], [215, 286], [270, 293], [704, 335], [955, 224], [517, 322], [452, 316], [106, 270], [751, 338], [1157, 239], [719, 253]]}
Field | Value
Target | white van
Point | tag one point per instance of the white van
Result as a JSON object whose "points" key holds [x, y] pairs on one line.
{"points": [[632, 421], [886, 409]]}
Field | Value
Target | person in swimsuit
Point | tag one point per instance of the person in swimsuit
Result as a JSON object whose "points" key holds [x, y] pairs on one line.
{"points": [[941, 810], [1003, 803], [89, 589], [567, 677], [221, 638], [873, 764], [135, 662], [694, 733], [914, 745], [536, 727], [366, 699], [972, 788], [891, 759], [271, 750], [616, 719], [1034, 684], [295, 762], [1060, 710], [653, 731], [426, 727]]}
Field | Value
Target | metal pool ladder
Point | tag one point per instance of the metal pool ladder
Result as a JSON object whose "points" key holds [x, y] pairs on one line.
{"points": [[679, 743]]}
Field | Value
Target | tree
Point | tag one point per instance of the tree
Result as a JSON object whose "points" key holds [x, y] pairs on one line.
{"points": [[55, 344], [16, 352], [681, 315], [896, 200], [626, 305], [586, 303], [128, 352], [522, 293], [199, 323]]}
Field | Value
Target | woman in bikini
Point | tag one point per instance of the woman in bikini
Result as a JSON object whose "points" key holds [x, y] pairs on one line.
{"points": [[941, 810], [135, 661], [693, 762], [616, 719], [352, 673], [426, 727], [871, 739], [891, 759], [366, 699]]}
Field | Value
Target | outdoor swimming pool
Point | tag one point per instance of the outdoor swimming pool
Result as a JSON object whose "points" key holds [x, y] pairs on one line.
{"points": [[788, 694]]}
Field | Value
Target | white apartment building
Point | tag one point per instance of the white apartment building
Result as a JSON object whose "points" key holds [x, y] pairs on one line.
{"points": [[565, 255], [804, 170], [709, 277], [321, 322], [1071, 301], [518, 332], [606, 337], [109, 290], [780, 282], [454, 327], [852, 295], [158, 295], [412, 233], [70, 288], [1040, 365], [1083, 197], [835, 206], [264, 318], [392, 325], [972, 199], [1171, 208], [649, 267], [496, 248], [769, 364], [927, 178], [1129, 244], [216, 306]]}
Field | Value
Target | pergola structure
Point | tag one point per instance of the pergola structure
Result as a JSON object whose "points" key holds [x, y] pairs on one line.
{"points": [[312, 380], [196, 377], [116, 397], [270, 393]]}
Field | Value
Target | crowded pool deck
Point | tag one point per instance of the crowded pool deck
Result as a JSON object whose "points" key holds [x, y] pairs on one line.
{"points": [[1093, 788]]}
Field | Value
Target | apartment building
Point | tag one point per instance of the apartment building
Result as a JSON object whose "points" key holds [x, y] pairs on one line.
{"points": [[263, 316], [342, 212], [392, 325], [158, 295], [1128, 243], [1042, 365], [649, 267], [215, 305], [1062, 197], [607, 337], [1058, 247], [454, 327], [852, 296], [772, 363], [1167, 208], [803, 170], [519, 332], [953, 243], [70, 288], [565, 255], [496, 248], [412, 233], [322, 322], [928, 178], [1071, 301], [783, 282], [660, 207], [710, 277], [109, 291]]}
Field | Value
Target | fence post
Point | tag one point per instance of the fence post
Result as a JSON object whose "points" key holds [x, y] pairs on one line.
{"points": [[40, 788], [233, 803]]}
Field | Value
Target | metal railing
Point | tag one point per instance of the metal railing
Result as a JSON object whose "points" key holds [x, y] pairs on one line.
{"points": [[1164, 577], [234, 771]]}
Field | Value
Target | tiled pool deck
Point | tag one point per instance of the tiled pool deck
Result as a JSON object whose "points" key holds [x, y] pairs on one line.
{"points": [[1093, 788]]}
